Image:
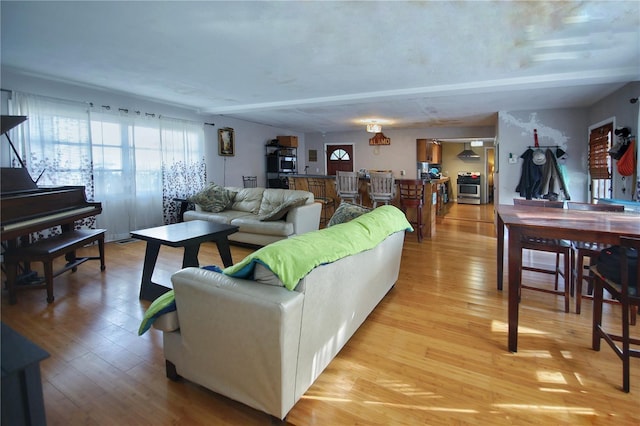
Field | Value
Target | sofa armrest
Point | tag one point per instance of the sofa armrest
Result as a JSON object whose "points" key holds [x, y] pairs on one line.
{"points": [[237, 337], [305, 218]]}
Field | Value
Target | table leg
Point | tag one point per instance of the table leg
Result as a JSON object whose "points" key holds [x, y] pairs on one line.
{"points": [[515, 260], [148, 289], [500, 253], [190, 257], [225, 251]]}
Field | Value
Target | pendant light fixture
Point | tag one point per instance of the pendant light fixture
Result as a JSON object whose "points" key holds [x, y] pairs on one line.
{"points": [[374, 127]]}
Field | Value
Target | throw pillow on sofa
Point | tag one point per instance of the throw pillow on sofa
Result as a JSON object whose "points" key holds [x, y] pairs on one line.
{"points": [[213, 198], [346, 212], [282, 210]]}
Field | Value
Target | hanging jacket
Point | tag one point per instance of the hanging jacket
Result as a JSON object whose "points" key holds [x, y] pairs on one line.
{"points": [[530, 178], [550, 174]]}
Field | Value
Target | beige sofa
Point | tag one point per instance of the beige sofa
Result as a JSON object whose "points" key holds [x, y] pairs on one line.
{"points": [[264, 345], [249, 204]]}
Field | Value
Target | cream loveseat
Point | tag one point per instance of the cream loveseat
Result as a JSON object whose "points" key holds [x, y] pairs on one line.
{"points": [[264, 215], [262, 331]]}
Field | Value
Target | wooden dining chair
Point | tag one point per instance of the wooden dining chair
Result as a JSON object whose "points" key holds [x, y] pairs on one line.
{"points": [[627, 293], [585, 250], [549, 245]]}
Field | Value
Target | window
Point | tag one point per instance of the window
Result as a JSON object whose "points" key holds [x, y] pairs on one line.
{"points": [[600, 161], [339, 155]]}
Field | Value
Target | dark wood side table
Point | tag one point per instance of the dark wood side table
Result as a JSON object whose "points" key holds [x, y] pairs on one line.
{"points": [[22, 400], [185, 234]]}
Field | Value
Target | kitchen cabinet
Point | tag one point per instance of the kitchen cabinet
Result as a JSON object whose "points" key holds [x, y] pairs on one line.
{"points": [[428, 151]]}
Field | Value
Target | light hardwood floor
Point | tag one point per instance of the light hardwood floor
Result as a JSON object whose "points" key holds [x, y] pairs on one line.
{"points": [[433, 352]]}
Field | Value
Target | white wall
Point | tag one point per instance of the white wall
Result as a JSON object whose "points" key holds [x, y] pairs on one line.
{"points": [[565, 128]]}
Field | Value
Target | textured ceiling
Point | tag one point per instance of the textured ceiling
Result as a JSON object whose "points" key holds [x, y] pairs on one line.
{"points": [[326, 66]]}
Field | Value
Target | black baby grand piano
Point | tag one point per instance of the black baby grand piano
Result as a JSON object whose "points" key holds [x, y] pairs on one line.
{"points": [[26, 208]]}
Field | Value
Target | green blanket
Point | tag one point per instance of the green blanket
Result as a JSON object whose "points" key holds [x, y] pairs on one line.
{"points": [[291, 259]]}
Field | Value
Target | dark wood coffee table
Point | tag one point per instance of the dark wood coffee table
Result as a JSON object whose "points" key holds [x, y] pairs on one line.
{"points": [[186, 234]]}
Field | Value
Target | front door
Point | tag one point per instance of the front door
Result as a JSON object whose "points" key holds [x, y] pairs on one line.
{"points": [[339, 158]]}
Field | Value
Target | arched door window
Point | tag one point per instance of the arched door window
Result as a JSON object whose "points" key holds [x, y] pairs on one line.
{"points": [[339, 158]]}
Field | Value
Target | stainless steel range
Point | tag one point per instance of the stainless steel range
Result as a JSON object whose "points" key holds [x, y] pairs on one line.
{"points": [[469, 187]]}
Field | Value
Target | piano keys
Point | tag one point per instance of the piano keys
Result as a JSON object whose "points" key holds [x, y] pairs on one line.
{"points": [[30, 211]]}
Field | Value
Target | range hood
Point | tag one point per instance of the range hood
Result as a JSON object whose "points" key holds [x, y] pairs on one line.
{"points": [[468, 154]]}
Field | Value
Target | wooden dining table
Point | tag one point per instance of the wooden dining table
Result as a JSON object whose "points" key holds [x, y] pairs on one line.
{"points": [[575, 225]]}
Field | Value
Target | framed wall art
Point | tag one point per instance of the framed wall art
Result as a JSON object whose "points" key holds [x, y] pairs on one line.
{"points": [[226, 142]]}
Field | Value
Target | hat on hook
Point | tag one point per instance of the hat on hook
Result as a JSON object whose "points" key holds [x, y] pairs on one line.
{"points": [[539, 158]]}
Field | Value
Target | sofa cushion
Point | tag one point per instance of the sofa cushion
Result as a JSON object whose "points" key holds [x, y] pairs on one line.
{"points": [[226, 216], [253, 225], [213, 198], [263, 275], [281, 211], [273, 198], [346, 212], [248, 200]]}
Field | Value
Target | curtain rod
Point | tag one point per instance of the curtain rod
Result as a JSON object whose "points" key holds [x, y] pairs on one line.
{"points": [[108, 107]]}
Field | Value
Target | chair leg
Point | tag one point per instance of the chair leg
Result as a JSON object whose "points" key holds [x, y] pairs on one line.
{"points": [[597, 314], [625, 355], [578, 279], [419, 219], [555, 284], [567, 279]]}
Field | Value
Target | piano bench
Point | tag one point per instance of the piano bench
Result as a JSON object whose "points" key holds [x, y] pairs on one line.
{"points": [[46, 251]]}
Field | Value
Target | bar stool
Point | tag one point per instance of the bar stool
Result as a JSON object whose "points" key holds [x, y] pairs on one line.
{"points": [[549, 245], [586, 250], [250, 181], [412, 196], [291, 183], [319, 189], [381, 188], [347, 186], [624, 291]]}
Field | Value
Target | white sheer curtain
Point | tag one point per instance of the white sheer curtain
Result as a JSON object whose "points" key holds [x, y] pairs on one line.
{"points": [[134, 164], [54, 143], [183, 163], [127, 172]]}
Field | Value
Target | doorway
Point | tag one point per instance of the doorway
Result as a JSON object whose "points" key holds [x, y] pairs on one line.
{"points": [[339, 158], [489, 170]]}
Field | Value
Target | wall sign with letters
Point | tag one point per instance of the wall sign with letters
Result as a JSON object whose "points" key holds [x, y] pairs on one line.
{"points": [[379, 139]]}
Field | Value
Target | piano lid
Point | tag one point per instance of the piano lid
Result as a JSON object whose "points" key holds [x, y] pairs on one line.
{"points": [[10, 121], [14, 179]]}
